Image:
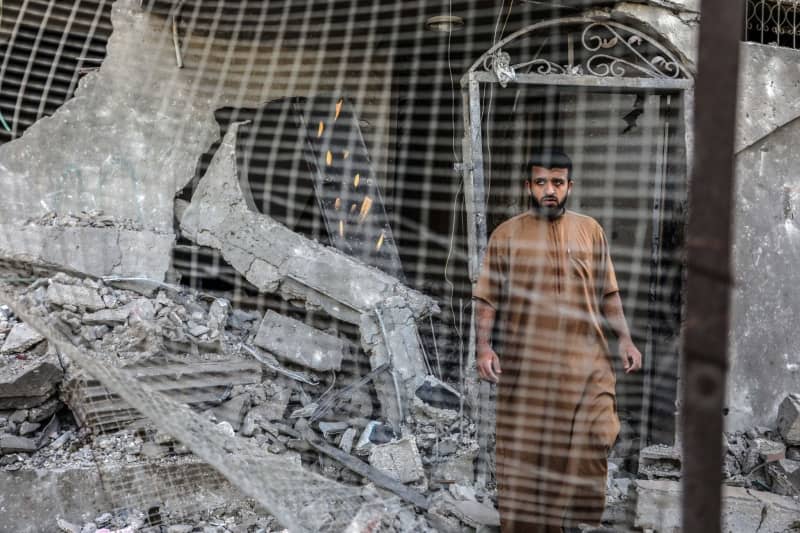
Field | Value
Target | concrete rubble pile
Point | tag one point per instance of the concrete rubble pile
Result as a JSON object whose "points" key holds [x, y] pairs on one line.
{"points": [[268, 378], [761, 476]]}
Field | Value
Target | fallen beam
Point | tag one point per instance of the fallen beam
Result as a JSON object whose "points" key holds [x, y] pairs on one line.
{"points": [[292, 340], [277, 260], [363, 469]]}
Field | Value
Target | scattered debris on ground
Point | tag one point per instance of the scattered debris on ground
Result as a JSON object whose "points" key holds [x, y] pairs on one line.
{"points": [[196, 349]]}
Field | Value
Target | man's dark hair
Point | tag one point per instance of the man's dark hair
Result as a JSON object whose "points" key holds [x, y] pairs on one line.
{"points": [[551, 158]]}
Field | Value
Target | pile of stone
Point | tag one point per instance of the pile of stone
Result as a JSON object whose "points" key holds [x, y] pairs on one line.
{"points": [[768, 458], [29, 381], [762, 478], [267, 378]]}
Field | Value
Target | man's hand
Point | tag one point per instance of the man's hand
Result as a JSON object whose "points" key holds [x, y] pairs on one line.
{"points": [[631, 356], [489, 365]]}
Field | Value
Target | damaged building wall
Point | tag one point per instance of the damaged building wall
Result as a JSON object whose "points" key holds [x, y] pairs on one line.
{"points": [[764, 340], [765, 361], [115, 155]]}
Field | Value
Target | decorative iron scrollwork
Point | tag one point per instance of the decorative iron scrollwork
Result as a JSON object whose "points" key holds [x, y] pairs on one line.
{"points": [[606, 49], [500, 64]]}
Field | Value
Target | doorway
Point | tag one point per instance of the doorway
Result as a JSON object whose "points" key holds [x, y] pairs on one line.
{"points": [[614, 100]]}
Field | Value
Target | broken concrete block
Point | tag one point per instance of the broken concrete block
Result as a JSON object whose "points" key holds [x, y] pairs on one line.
{"points": [[399, 459], [94, 251], [346, 442], [333, 428], [21, 338], [785, 477], [108, 317], [26, 428], [474, 513], [658, 507], [769, 451], [459, 468], [14, 444], [789, 419], [299, 343], [660, 461], [233, 411], [77, 295], [25, 384]]}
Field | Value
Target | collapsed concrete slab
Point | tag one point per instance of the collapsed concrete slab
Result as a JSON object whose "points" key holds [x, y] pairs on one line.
{"points": [[93, 251], [275, 259], [658, 507], [28, 383], [299, 343], [21, 338]]}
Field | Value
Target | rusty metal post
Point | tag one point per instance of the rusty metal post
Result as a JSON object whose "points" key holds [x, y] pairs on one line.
{"points": [[709, 264]]}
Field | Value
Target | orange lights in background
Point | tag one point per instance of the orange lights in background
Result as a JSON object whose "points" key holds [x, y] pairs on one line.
{"points": [[356, 181], [337, 204], [380, 241], [366, 205], [338, 108], [320, 129], [329, 158]]}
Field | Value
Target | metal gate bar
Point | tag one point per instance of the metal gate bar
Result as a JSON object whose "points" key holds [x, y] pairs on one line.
{"points": [[709, 265]]}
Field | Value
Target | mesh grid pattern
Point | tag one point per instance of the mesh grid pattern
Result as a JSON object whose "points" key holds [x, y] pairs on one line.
{"points": [[157, 365]]}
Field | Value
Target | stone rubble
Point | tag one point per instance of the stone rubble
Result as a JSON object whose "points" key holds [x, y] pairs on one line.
{"points": [[136, 332]]}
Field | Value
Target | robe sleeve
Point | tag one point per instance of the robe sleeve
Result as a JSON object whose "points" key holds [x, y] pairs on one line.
{"points": [[605, 276], [494, 272]]}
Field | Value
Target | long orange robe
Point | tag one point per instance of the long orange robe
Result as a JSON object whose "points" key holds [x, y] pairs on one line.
{"points": [[556, 408]]}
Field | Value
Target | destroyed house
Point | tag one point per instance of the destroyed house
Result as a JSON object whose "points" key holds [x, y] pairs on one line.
{"points": [[238, 242]]}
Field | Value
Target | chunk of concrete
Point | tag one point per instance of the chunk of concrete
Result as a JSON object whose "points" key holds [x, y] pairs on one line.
{"points": [[399, 459], [474, 513], [770, 451], [789, 419], [14, 444], [93, 251], [347, 440], [75, 295], [21, 338], [108, 317], [29, 383], [658, 507], [233, 411], [297, 267], [459, 468], [785, 477], [300, 343]]}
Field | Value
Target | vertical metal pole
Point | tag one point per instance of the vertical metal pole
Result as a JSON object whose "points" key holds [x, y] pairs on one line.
{"points": [[708, 261]]}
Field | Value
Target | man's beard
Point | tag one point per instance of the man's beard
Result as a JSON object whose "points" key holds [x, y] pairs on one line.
{"points": [[551, 212]]}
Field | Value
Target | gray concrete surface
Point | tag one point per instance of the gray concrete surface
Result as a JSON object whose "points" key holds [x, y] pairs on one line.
{"points": [[299, 343], [769, 91], [127, 141], [94, 251], [765, 361], [658, 508]]}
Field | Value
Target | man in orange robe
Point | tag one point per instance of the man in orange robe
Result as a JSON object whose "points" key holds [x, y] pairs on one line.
{"points": [[546, 289]]}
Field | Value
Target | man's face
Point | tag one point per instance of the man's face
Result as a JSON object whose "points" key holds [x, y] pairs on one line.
{"points": [[548, 189]]}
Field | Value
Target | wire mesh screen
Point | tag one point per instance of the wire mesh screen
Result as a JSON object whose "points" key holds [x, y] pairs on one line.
{"points": [[257, 255]]}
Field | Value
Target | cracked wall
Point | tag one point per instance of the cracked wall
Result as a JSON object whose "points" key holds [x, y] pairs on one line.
{"points": [[764, 340], [134, 132]]}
